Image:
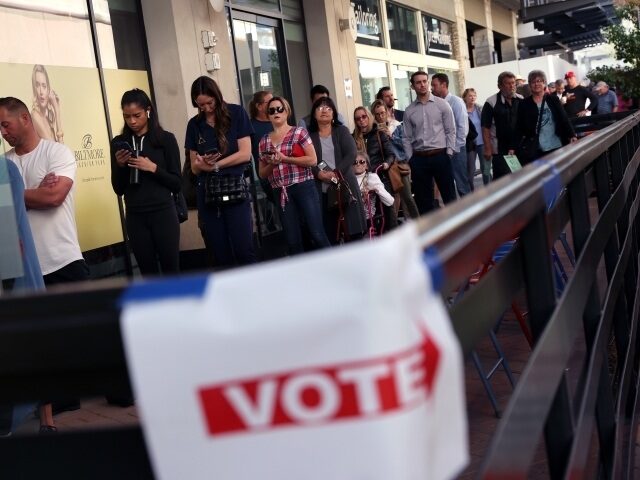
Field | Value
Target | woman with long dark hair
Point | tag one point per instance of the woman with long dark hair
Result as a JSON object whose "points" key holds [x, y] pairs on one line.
{"points": [[336, 152], [219, 142], [145, 168]]}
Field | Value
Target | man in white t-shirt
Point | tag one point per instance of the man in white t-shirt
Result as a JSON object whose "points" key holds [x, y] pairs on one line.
{"points": [[48, 170]]}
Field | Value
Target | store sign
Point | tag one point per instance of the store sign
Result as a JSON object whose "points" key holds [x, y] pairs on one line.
{"points": [[368, 22], [437, 37]]}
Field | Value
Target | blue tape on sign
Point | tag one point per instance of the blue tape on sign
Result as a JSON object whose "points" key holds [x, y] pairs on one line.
{"points": [[192, 286], [551, 185], [432, 261]]}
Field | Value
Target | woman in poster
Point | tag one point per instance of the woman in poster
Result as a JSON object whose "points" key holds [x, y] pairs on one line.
{"points": [[46, 115]]}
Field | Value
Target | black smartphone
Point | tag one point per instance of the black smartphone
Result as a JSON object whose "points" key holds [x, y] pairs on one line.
{"points": [[122, 145], [211, 151]]}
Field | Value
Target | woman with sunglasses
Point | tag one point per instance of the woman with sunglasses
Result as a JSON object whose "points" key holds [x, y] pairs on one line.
{"points": [[542, 122], [336, 151], [381, 155], [371, 189], [286, 158], [218, 139], [393, 128]]}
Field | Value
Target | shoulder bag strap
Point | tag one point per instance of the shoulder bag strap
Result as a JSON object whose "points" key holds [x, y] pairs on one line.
{"points": [[544, 99]]}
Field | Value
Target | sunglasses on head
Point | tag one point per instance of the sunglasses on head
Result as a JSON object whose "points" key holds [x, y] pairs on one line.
{"points": [[361, 117], [360, 162], [274, 110]]}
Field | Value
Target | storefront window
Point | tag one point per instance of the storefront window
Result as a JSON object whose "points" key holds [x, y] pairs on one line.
{"points": [[437, 37], [401, 23], [298, 61], [368, 22], [453, 82], [48, 46], [258, 58], [271, 5], [292, 8], [123, 35], [403, 92], [47, 32], [373, 76]]}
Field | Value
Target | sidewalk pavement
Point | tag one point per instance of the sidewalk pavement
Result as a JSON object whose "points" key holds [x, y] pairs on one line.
{"points": [[93, 413]]}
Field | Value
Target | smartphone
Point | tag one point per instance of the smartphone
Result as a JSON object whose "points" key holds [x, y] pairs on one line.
{"points": [[323, 165], [123, 145], [211, 151]]}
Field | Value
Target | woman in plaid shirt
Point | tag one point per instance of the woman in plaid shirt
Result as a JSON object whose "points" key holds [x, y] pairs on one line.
{"points": [[286, 158]]}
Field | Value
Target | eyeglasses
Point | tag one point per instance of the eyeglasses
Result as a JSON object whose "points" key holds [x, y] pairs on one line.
{"points": [[361, 117], [360, 162], [324, 107], [274, 110]]}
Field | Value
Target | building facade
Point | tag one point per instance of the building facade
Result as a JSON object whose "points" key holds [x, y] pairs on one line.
{"points": [[94, 50]]}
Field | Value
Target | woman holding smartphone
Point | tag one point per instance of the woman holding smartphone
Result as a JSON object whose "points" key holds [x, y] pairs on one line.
{"points": [[218, 139], [145, 168], [286, 158], [336, 151]]}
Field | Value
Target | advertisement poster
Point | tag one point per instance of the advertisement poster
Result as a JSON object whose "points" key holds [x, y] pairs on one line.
{"points": [[66, 106]]}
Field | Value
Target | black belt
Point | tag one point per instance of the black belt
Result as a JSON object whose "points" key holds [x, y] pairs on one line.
{"points": [[429, 153]]}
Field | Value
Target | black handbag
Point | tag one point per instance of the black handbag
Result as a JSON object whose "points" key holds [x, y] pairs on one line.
{"points": [[530, 146], [181, 207], [222, 190]]}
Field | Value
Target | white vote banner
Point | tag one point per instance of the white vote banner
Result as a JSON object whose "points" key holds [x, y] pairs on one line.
{"points": [[336, 365]]}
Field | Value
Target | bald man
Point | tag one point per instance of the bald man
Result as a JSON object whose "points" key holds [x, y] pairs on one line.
{"points": [[48, 170]]}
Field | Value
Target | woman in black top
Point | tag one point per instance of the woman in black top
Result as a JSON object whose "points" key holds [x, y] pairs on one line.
{"points": [[541, 117], [145, 168], [377, 144], [219, 142]]}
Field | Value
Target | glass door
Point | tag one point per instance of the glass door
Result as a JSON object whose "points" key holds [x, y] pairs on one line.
{"points": [[261, 65]]}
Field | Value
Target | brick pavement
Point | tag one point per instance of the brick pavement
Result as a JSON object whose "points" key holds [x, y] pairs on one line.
{"points": [[93, 413]]}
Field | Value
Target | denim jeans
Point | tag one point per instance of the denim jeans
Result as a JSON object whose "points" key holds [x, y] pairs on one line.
{"points": [[303, 206], [459, 166], [229, 231]]}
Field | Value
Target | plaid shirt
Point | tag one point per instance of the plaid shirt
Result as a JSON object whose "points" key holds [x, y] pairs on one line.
{"points": [[287, 174]]}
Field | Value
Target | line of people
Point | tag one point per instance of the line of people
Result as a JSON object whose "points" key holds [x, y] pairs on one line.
{"points": [[435, 142], [329, 184]]}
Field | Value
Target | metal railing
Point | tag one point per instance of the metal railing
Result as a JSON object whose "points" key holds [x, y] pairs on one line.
{"points": [[544, 404], [68, 343]]}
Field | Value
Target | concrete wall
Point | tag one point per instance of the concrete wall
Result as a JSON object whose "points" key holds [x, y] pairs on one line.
{"points": [[474, 12], [332, 52], [501, 18], [176, 54]]}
